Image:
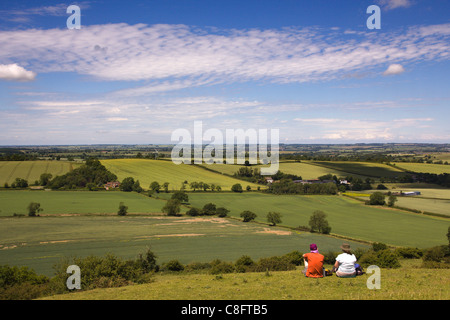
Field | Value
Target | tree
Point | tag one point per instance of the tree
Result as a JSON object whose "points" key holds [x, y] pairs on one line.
{"points": [[181, 196], [155, 186], [222, 212], [122, 209], [377, 198], [319, 223], [236, 187], [274, 218], [34, 208], [137, 187], [172, 207], [392, 200], [45, 178], [248, 216], [166, 187], [127, 184], [209, 209]]}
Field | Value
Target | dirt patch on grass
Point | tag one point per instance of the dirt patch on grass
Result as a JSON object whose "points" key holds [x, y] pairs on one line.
{"points": [[277, 232]]}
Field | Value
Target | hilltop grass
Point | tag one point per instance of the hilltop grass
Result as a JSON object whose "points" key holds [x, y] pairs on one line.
{"points": [[408, 282], [147, 171], [32, 170]]}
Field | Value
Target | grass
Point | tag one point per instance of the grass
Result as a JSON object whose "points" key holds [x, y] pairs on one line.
{"points": [[406, 283], [147, 171], [32, 170], [42, 241], [76, 202], [347, 217]]}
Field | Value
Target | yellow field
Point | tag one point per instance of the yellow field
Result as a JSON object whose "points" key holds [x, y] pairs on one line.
{"points": [[147, 171]]}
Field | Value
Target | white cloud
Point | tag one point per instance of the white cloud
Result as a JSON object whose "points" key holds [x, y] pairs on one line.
{"points": [[15, 72], [393, 4], [394, 69], [176, 56]]}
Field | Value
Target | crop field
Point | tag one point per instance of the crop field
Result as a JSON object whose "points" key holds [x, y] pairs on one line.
{"points": [[306, 169], [77, 202], [362, 168], [347, 217], [424, 167], [32, 170], [41, 242], [147, 171]]}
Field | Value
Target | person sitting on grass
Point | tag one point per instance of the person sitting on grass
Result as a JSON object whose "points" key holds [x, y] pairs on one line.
{"points": [[345, 263], [313, 262]]}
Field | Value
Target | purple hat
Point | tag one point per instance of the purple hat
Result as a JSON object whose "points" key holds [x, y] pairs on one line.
{"points": [[312, 246]]}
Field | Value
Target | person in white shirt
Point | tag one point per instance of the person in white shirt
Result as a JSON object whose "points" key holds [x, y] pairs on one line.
{"points": [[345, 262]]}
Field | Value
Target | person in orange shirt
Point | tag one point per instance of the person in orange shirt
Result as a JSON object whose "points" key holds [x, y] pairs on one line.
{"points": [[313, 262]]}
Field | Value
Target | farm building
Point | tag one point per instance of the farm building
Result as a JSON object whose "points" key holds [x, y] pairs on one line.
{"points": [[112, 185]]}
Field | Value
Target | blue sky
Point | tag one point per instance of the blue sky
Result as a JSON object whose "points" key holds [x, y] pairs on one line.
{"points": [[138, 70]]}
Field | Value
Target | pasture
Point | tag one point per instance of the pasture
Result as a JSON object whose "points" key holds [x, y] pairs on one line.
{"points": [[347, 217], [147, 171], [76, 202], [32, 170], [41, 242]]}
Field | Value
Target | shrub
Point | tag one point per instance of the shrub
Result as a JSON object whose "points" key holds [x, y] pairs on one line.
{"points": [[209, 209], [378, 246], [377, 198], [218, 266], [34, 208], [294, 257], [273, 264], [173, 265], [409, 253], [193, 212], [382, 258], [197, 266], [243, 264], [122, 209]]}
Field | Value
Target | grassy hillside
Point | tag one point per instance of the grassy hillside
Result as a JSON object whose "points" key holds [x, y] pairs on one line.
{"points": [[32, 170], [147, 171], [408, 282], [347, 217], [41, 242], [362, 168]]}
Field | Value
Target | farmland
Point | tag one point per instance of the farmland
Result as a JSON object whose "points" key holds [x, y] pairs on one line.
{"points": [[76, 202], [31, 170], [147, 171], [42, 242], [424, 167], [347, 217]]}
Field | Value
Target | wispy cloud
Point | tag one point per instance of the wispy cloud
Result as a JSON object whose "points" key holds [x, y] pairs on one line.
{"points": [[394, 4], [179, 56]]}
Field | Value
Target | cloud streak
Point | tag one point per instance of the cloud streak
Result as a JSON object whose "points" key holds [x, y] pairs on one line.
{"points": [[180, 56]]}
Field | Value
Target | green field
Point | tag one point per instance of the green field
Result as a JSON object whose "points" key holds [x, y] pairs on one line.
{"points": [[369, 169], [32, 170], [147, 171], [76, 202], [41, 242], [424, 167], [347, 217]]}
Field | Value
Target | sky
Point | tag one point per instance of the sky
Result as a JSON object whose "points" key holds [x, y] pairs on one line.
{"points": [[136, 71]]}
